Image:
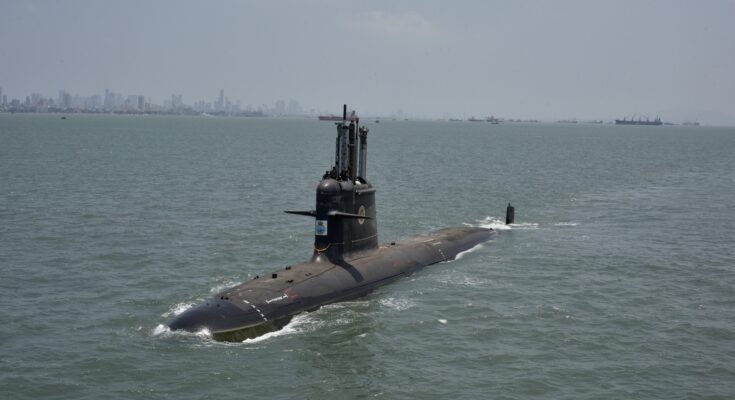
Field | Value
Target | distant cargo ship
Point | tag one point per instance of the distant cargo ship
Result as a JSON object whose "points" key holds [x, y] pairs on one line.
{"points": [[638, 121], [331, 117], [490, 119]]}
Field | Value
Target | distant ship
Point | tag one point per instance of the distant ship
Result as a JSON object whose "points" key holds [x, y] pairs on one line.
{"points": [[490, 119], [638, 121], [331, 117]]}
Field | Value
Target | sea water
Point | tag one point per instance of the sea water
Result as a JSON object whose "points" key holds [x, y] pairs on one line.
{"points": [[617, 280]]}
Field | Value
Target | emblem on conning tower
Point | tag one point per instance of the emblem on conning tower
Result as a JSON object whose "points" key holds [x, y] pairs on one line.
{"points": [[321, 228], [361, 212]]}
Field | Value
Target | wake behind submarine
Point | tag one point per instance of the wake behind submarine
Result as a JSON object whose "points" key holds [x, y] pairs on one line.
{"points": [[347, 261]]}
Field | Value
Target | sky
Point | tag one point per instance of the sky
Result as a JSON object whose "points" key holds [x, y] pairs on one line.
{"points": [[514, 59]]}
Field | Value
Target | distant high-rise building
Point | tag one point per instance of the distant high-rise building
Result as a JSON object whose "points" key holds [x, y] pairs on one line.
{"points": [[118, 100], [177, 102], [280, 107], [35, 99], [294, 107], [131, 104], [94, 102], [219, 104], [64, 100], [109, 102]]}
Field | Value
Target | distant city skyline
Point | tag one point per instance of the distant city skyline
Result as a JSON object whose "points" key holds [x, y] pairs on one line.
{"points": [[422, 59], [111, 101]]}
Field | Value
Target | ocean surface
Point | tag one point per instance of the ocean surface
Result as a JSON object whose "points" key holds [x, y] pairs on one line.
{"points": [[616, 282]]}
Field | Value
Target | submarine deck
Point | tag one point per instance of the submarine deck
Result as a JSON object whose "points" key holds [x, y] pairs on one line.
{"points": [[263, 303]]}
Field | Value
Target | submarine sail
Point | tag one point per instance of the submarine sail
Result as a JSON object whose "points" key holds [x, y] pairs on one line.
{"points": [[347, 260]]}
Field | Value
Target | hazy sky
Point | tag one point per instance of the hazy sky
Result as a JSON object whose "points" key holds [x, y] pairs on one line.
{"points": [[543, 59]]}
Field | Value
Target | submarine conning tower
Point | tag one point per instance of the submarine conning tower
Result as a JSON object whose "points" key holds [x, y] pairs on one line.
{"points": [[345, 215]]}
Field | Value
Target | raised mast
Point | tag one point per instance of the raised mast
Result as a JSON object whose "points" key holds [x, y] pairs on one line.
{"points": [[361, 172], [350, 149]]}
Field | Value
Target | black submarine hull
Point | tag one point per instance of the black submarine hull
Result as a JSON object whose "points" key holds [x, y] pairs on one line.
{"points": [[267, 303], [347, 262]]}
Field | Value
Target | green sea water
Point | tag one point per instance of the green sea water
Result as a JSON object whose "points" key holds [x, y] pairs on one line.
{"points": [[616, 282]]}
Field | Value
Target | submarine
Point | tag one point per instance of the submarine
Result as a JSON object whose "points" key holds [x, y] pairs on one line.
{"points": [[347, 261]]}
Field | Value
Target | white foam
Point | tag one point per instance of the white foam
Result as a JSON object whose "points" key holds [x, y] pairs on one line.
{"points": [[491, 222], [160, 330], [566, 224], [353, 305], [442, 321], [296, 325], [222, 286], [164, 331], [462, 280], [470, 250], [397, 304], [525, 225], [177, 309], [203, 333]]}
